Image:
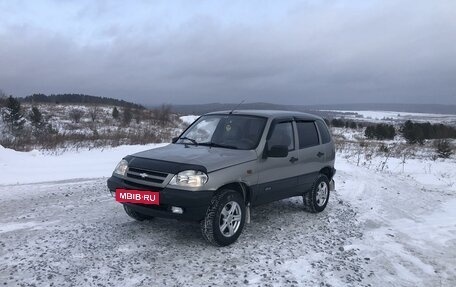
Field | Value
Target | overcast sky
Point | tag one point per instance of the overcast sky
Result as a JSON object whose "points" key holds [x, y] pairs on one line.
{"points": [[293, 52]]}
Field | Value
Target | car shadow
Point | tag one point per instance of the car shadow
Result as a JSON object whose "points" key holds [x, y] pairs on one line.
{"points": [[265, 219]]}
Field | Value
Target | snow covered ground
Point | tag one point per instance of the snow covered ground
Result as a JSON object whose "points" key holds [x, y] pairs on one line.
{"points": [[390, 227], [408, 221], [35, 166], [391, 116]]}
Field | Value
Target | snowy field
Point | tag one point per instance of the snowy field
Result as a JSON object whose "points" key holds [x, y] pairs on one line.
{"points": [[35, 166], [391, 227], [391, 116]]}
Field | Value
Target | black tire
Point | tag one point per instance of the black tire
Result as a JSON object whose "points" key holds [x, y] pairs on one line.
{"points": [[214, 220], [313, 199], [135, 215]]}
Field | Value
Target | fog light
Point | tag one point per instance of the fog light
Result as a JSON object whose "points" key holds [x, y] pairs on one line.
{"points": [[178, 210]]}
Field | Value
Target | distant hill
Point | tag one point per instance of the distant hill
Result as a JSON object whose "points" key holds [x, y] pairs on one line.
{"points": [[206, 108], [78, 99], [411, 108]]}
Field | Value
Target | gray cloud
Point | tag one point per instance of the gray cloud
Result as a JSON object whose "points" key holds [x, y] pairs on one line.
{"points": [[391, 51]]}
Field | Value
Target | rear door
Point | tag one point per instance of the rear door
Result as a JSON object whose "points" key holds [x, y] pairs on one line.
{"points": [[311, 154], [278, 177], [327, 143]]}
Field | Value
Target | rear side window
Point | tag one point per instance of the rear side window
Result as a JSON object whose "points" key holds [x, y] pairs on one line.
{"points": [[308, 135], [324, 133]]}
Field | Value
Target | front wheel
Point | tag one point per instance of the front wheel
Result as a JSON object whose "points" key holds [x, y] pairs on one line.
{"points": [[317, 198], [225, 218]]}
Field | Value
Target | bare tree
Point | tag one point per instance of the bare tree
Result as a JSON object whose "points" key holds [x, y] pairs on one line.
{"points": [[76, 115], [94, 112], [163, 114]]}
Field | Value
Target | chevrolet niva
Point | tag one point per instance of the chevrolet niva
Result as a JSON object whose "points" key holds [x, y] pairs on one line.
{"points": [[223, 164]]}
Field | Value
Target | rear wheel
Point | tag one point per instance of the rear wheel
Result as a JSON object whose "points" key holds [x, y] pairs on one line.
{"points": [[224, 218], [317, 198], [134, 214]]}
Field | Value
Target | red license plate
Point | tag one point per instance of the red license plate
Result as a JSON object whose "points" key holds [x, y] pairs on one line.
{"points": [[137, 196]]}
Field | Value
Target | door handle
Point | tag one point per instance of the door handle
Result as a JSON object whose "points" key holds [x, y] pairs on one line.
{"points": [[320, 154], [293, 159]]}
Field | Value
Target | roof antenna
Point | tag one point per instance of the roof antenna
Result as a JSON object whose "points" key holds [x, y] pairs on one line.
{"points": [[236, 107]]}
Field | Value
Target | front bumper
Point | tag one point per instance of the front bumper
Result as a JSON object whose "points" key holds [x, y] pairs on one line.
{"points": [[193, 203]]}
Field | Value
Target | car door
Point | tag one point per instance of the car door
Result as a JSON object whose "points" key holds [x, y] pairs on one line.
{"points": [[278, 175], [311, 154], [325, 141]]}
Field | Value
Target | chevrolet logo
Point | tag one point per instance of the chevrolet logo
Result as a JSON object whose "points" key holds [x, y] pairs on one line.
{"points": [[143, 175]]}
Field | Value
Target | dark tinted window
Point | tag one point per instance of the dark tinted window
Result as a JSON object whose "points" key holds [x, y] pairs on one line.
{"points": [[282, 135], [243, 132], [324, 133], [307, 133]]}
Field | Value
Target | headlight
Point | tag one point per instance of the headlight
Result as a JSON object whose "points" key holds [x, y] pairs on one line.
{"points": [[191, 178], [121, 168]]}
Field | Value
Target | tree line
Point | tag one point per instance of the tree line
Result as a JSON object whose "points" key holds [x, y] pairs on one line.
{"points": [[341, 123], [414, 133], [418, 132], [78, 99], [380, 132]]}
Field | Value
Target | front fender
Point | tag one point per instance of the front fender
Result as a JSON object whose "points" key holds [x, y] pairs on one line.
{"points": [[243, 173]]}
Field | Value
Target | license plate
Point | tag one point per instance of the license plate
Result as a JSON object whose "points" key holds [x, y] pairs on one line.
{"points": [[137, 196]]}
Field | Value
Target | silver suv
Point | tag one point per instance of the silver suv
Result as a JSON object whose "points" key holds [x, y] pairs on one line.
{"points": [[225, 163]]}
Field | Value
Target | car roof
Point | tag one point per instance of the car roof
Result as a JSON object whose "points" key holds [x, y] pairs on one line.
{"points": [[270, 114]]}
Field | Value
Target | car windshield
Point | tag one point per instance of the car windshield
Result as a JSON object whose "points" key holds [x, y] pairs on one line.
{"points": [[226, 131]]}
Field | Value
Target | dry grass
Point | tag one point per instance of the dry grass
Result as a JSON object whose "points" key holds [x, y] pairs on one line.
{"points": [[91, 131]]}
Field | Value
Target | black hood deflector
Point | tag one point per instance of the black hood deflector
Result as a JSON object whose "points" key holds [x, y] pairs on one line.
{"points": [[161, 165]]}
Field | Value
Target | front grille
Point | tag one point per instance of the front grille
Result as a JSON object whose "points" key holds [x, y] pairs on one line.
{"points": [[149, 172], [146, 175], [149, 179], [131, 184]]}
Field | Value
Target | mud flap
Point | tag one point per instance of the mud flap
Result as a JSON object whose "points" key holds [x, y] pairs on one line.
{"points": [[332, 185]]}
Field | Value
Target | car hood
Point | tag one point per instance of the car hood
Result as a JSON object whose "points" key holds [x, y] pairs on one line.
{"points": [[212, 158]]}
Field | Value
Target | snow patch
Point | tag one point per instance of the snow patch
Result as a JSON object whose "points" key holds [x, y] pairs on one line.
{"points": [[34, 166], [189, 119], [13, 226]]}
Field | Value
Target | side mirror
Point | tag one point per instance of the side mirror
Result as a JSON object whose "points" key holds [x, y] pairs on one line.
{"points": [[174, 139], [278, 151]]}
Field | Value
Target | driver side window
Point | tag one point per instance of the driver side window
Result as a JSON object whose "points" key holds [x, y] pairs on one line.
{"points": [[282, 135]]}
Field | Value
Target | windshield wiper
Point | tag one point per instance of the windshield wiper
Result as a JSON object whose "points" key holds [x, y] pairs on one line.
{"points": [[192, 140], [212, 144]]}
